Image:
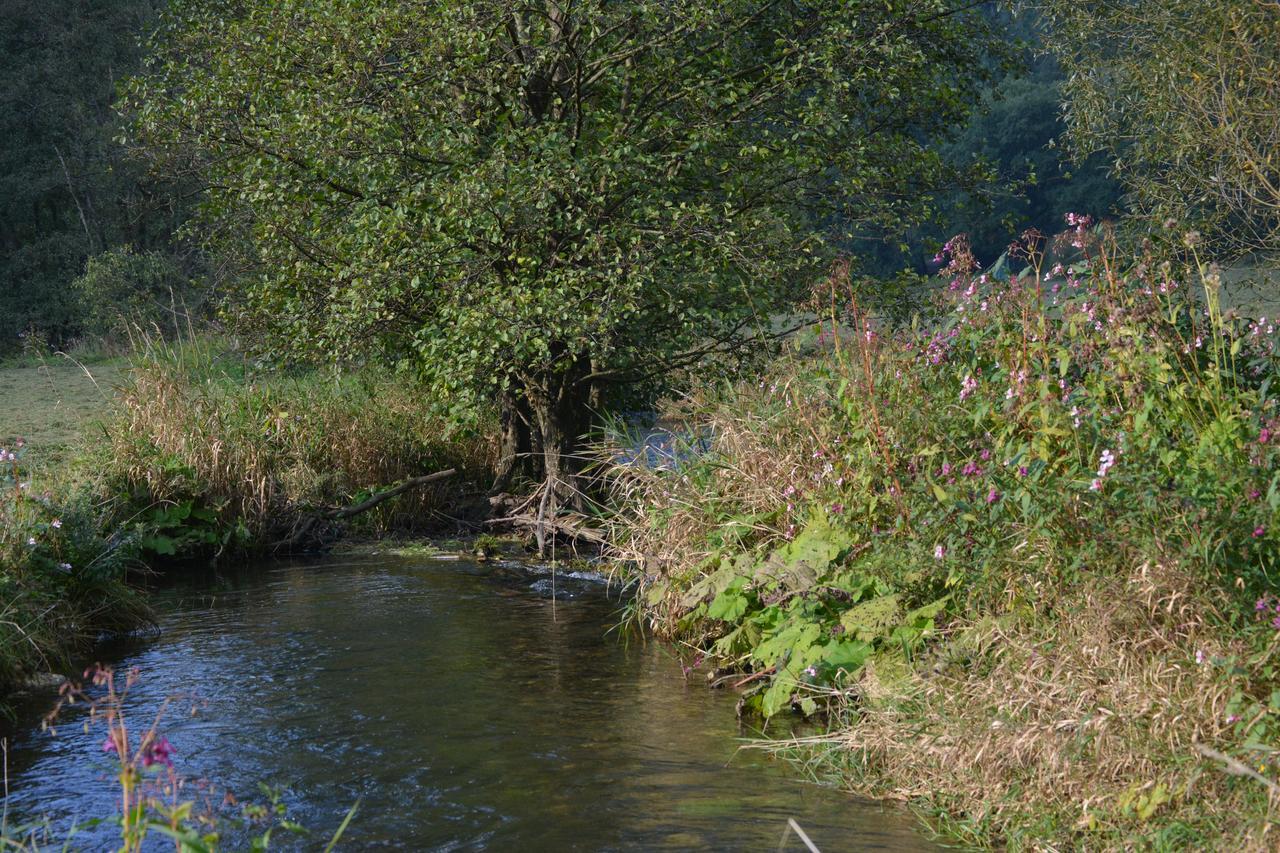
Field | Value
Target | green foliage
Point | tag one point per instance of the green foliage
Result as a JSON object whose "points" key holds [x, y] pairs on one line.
{"points": [[548, 204], [1020, 176], [122, 289], [1017, 133], [802, 613], [1185, 96], [1052, 497]]}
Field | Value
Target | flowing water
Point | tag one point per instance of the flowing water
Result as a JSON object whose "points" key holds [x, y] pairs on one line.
{"points": [[461, 705]]}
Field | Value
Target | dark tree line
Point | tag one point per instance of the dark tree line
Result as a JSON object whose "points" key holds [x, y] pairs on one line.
{"points": [[67, 192]]}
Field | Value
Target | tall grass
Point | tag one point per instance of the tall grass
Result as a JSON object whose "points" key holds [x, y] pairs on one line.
{"points": [[196, 423], [1023, 550]]}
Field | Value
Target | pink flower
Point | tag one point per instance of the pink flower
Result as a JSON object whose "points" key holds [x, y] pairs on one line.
{"points": [[56, 523], [993, 495], [159, 751], [1259, 532], [109, 745], [939, 552]]}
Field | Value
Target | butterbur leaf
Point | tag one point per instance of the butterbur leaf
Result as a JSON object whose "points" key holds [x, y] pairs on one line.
{"points": [[846, 654], [778, 696], [872, 620], [161, 545], [730, 604]]}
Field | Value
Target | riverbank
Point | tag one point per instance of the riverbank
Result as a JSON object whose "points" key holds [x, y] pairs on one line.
{"points": [[1019, 555], [186, 454]]}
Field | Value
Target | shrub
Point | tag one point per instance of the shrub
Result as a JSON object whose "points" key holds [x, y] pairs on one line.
{"points": [[1050, 497], [121, 289]]}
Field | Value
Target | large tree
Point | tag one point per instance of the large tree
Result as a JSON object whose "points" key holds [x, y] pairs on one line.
{"points": [[541, 202], [1184, 95]]}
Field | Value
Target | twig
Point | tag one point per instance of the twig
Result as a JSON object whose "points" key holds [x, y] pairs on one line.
{"points": [[792, 826], [1234, 767]]}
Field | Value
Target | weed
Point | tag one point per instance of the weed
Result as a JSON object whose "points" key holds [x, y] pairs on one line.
{"points": [[1021, 548]]}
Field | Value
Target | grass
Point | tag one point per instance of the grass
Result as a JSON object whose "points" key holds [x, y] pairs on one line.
{"points": [[1020, 553], [260, 449], [49, 403]]}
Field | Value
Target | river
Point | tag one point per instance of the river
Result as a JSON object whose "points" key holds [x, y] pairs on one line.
{"points": [[461, 705]]}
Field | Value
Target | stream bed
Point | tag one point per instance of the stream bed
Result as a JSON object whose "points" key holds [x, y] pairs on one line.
{"points": [[457, 701]]}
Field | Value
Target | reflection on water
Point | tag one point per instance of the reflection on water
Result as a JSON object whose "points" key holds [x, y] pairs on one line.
{"points": [[461, 708]]}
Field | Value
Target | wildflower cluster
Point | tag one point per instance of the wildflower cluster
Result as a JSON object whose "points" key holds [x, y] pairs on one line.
{"points": [[1086, 448], [1002, 416], [154, 797]]}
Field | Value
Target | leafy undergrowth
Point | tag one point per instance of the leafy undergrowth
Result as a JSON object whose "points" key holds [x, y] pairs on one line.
{"points": [[1022, 551], [62, 569]]}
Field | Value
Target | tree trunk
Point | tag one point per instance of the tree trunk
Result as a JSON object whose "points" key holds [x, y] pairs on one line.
{"points": [[515, 454], [560, 420]]}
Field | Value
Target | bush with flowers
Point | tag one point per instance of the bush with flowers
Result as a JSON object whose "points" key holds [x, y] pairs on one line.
{"points": [[1021, 550]]}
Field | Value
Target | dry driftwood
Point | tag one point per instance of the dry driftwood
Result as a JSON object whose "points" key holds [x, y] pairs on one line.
{"points": [[307, 524]]}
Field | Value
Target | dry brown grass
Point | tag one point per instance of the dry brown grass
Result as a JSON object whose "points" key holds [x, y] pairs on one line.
{"points": [[666, 523], [1066, 720], [265, 450]]}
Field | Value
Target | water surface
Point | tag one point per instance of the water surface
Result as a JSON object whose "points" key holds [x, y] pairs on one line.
{"points": [[463, 707]]}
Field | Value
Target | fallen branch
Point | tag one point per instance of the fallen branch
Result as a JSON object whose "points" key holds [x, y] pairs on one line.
{"points": [[305, 527], [1233, 767], [411, 483]]}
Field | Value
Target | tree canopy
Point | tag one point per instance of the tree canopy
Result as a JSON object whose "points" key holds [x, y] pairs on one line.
{"points": [[1185, 97], [542, 202]]}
